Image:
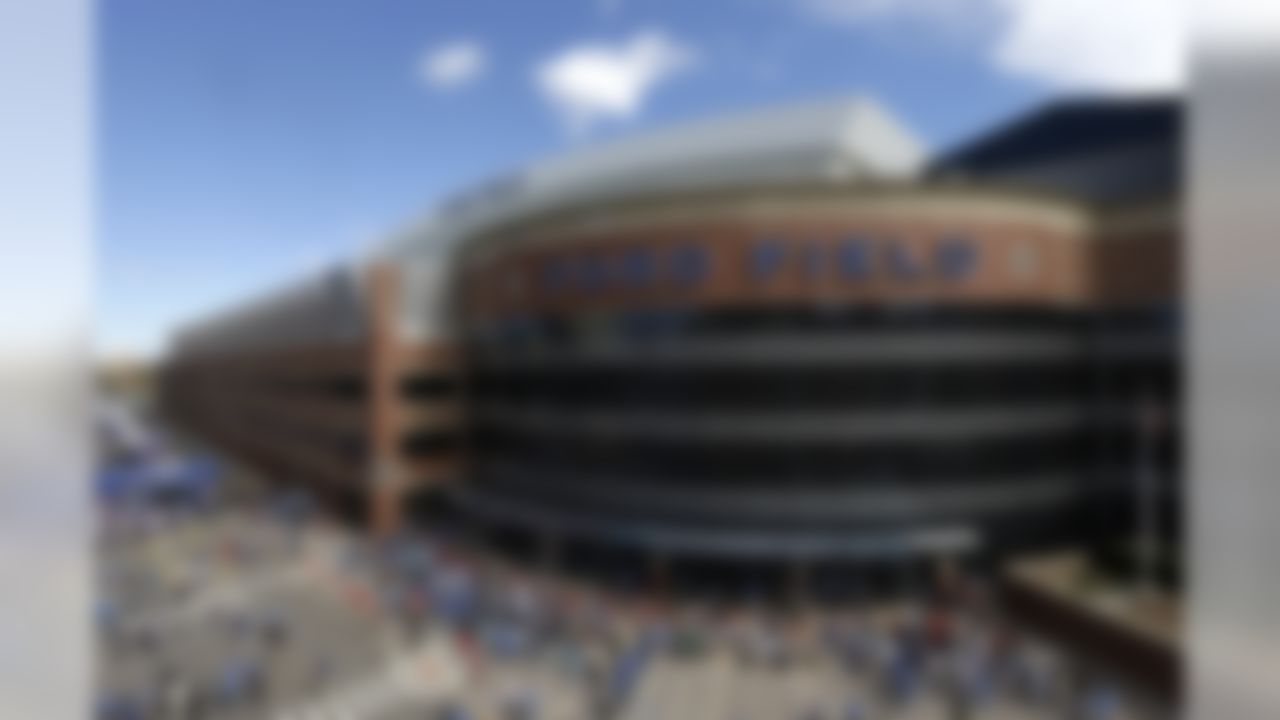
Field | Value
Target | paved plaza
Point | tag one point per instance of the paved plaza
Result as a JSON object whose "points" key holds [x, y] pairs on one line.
{"points": [[241, 611]]}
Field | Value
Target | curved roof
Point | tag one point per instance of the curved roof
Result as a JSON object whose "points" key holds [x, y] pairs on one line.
{"points": [[841, 140]]}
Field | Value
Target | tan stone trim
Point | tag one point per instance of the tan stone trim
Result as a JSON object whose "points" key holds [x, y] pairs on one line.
{"points": [[916, 203]]}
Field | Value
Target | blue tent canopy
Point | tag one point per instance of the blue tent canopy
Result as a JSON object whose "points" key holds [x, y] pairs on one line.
{"points": [[195, 478]]}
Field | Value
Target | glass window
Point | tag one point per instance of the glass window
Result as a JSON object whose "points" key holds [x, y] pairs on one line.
{"points": [[1165, 316], [650, 323], [634, 324], [690, 264], [485, 331], [515, 330], [767, 258]]}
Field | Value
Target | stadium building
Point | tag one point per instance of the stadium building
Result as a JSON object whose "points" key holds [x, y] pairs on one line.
{"points": [[789, 336]]}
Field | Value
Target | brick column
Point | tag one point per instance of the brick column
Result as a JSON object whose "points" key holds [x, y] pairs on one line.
{"points": [[385, 475]]}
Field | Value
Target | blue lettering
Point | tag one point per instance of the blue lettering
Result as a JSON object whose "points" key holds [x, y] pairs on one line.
{"points": [[855, 258], [691, 264], [766, 259], [956, 257]]}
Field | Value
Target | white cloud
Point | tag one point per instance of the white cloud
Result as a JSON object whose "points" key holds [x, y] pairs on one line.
{"points": [[1127, 45], [453, 64], [1078, 44], [1236, 27], [593, 82]]}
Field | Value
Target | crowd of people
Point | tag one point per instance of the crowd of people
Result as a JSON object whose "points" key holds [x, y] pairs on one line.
{"points": [[954, 645], [953, 649]]}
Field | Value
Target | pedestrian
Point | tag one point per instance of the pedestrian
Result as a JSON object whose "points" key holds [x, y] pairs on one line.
{"points": [[146, 640], [900, 677], [939, 629], [274, 629]]}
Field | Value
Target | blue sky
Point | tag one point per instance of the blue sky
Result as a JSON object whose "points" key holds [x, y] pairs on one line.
{"points": [[242, 142]]}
